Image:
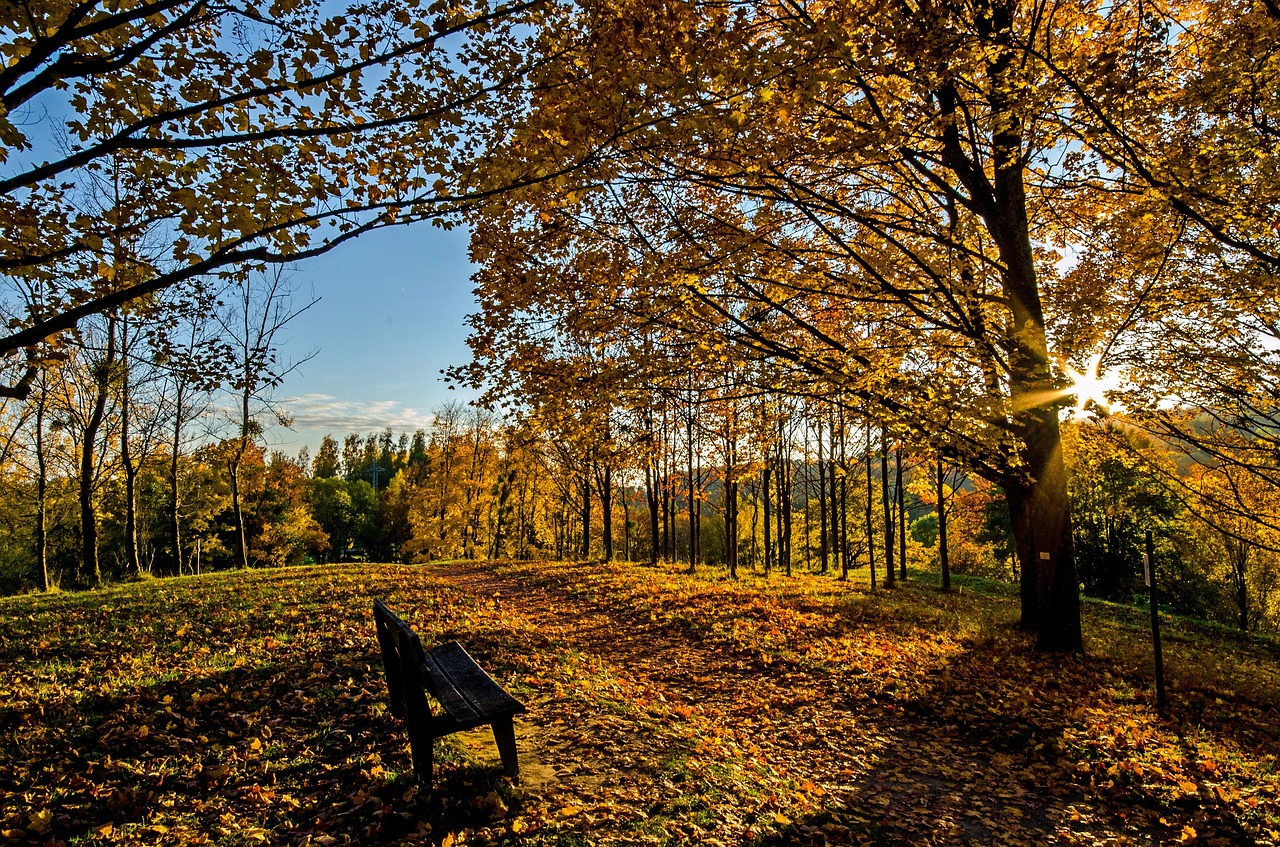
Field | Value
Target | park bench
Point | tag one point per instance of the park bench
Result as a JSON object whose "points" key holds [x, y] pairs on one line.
{"points": [[467, 695]]}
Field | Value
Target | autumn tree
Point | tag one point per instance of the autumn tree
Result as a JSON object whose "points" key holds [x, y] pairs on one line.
{"points": [[256, 312], [853, 189], [265, 136]]}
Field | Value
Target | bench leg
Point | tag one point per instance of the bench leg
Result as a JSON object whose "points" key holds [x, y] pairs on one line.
{"points": [[422, 747], [504, 734]]}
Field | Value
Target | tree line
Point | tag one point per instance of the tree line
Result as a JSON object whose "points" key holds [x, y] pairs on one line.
{"points": [[929, 214]]}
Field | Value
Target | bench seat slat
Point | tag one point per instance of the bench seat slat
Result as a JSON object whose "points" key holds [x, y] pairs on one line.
{"points": [[465, 690]]}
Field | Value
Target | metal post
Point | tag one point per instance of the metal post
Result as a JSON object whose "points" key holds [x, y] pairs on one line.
{"points": [[1149, 560]]}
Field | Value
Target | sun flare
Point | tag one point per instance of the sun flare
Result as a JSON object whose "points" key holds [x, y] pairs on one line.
{"points": [[1091, 386]]}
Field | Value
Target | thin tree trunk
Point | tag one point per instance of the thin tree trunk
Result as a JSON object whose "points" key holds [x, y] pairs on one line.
{"points": [[175, 504], [888, 512], [132, 559], [651, 495], [693, 529], [902, 514], [822, 504], [626, 522], [42, 487], [784, 500], [768, 523], [944, 559], [871, 541], [89, 564], [606, 507], [585, 548], [838, 560]]}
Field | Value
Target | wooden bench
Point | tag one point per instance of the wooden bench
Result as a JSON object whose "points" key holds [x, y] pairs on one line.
{"points": [[467, 695]]}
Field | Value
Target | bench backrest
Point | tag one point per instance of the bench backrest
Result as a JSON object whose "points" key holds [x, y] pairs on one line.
{"points": [[391, 633]]}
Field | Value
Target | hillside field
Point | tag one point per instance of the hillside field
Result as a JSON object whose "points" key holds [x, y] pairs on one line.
{"points": [[248, 707]]}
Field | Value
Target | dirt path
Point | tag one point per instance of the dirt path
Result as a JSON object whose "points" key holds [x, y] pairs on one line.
{"points": [[734, 749]]}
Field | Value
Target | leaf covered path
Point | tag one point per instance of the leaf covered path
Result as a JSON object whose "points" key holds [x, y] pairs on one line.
{"points": [[247, 708], [719, 742]]}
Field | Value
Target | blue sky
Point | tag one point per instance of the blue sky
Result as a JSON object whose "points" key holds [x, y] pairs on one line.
{"points": [[390, 318]]}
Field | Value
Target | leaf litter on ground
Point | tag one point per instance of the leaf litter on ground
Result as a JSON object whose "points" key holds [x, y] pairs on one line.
{"points": [[664, 708]]}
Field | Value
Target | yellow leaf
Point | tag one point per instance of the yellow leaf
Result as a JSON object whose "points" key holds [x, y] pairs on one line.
{"points": [[781, 819], [39, 821], [1188, 833]]}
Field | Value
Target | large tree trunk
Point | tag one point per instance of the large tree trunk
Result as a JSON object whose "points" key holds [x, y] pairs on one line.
{"points": [[1037, 489]]}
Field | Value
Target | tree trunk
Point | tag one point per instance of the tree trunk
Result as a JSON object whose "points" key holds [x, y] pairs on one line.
{"points": [[175, 503], [871, 541], [1037, 490], [888, 512], [626, 523], [822, 505], [944, 559], [693, 528], [651, 494], [42, 486], [89, 565], [730, 510], [768, 523], [584, 549], [836, 504], [902, 514], [606, 508], [133, 560], [784, 501]]}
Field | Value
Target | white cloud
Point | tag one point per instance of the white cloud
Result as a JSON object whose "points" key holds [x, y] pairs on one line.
{"points": [[324, 413]]}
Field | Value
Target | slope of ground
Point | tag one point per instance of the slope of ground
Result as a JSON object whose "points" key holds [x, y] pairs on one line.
{"points": [[248, 707]]}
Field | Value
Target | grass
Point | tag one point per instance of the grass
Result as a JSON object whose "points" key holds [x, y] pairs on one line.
{"points": [[247, 707]]}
